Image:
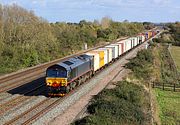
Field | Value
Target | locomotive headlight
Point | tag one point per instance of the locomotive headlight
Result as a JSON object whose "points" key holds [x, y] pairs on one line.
{"points": [[63, 83], [48, 83]]}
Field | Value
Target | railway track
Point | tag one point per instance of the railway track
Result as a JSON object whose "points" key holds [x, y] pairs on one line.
{"points": [[21, 81], [5, 107], [39, 109]]}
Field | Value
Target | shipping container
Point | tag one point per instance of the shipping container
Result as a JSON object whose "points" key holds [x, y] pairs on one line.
{"points": [[105, 55], [134, 41], [122, 46], [101, 57], [128, 45], [149, 34], [139, 39], [119, 48], [96, 59], [110, 54], [114, 50], [153, 33], [143, 38]]}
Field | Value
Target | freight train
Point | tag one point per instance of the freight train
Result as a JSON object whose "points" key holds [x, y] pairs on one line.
{"points": [[64, 76]]}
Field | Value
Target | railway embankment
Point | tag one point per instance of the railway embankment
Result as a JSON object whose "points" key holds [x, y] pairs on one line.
{"points": [[134, 100]]}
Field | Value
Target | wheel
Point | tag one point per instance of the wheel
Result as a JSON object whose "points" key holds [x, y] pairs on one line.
{"points": [[72, 85], [79, 82], [67, 89], [83, 79]]}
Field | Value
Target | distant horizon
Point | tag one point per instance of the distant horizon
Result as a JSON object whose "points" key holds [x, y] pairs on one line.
{"points": [[112, 20], [155, 11]]}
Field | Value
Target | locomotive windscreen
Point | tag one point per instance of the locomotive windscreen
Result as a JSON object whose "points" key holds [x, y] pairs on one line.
{"points": [[57, 73]]}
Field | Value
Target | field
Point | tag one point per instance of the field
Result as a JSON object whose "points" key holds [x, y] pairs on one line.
{"points": [[175, 51], [169, 106]]}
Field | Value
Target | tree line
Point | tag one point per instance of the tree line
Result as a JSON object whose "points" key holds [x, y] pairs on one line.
{"points": [[27, 40]]}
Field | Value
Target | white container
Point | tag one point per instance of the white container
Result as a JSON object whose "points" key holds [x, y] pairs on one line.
{"points": [[96, 59], [136, 41], [122, 46], [105, 54], [114, 51], [143, 38], [110, 54], [132, 42], [119, 48], [127, 45]]}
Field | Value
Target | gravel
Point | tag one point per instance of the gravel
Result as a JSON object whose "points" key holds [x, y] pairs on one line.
{"points": [[5, 97], [34, 111], [21, 108]]}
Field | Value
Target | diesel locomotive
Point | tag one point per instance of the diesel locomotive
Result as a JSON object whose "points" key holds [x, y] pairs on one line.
{"points": [[65, 76]]}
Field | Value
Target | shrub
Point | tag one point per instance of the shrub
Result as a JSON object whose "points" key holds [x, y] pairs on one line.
{"points": [[122, 105]]}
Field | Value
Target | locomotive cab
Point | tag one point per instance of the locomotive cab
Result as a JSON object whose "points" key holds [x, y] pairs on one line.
{"points": [[57, 78]]}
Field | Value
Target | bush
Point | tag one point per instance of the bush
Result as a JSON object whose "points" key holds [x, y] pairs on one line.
{"points": [[141, 64], [123, 105]]}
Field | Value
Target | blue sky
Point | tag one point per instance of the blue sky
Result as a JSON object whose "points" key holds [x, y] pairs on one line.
{"points": [[119, 10]]}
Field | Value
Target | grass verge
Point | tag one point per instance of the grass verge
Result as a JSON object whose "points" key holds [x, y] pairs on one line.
{"points": [[169, 106], [175, 51]]}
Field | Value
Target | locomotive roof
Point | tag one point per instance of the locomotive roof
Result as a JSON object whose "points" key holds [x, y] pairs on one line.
{"points": [[75, 61]]}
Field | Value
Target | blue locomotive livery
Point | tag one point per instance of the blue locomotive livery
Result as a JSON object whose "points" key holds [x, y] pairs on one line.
{"points": [[66, 75]]}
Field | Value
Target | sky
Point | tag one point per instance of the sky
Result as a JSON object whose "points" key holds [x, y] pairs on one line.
{"points": [[119, 10]]}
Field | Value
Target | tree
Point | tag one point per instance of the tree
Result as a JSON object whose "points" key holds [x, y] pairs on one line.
{"points": [[105, 22]]}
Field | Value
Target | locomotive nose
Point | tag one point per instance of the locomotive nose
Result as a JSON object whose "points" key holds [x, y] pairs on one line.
{"points": [[56, 82]]}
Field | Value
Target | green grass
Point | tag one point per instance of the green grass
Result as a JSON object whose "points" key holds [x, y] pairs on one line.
{"points": [[175, 51], [169, 106]]}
